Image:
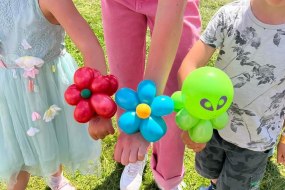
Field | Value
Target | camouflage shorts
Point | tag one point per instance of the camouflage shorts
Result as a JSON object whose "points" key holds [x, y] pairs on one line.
{"points": [[235, 168]]}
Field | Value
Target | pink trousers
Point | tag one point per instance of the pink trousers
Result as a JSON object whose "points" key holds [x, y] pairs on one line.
{"points": [[125, 24]]}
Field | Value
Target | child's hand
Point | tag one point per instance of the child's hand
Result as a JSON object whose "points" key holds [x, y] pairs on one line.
{"points": [[196, 147], [130, 148], [281, 153], [100, 127]]}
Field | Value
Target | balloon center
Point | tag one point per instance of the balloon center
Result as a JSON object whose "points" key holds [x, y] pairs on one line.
{"points": [[143, 111], [85, 93]]}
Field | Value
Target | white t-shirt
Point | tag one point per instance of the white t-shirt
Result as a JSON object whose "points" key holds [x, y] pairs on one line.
{"points": [[252, 53]]}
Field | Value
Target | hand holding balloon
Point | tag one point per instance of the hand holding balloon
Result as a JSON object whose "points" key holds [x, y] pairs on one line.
{"points": [[144, 111], [196, 147], [201, 106], [91, 93]]}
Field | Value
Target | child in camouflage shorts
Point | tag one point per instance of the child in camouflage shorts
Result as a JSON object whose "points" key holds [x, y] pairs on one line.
{"points": [[250, 35]]}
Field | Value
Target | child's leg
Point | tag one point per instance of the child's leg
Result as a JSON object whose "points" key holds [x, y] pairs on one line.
{"points": [[22, 181], [243, 168], [126, 51], [235, 168], [210, 161], [58, 181], [59, 172], [125, 37], [125, 32]]}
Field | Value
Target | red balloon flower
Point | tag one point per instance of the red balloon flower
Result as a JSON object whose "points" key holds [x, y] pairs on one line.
{"points": [[91, 93]]}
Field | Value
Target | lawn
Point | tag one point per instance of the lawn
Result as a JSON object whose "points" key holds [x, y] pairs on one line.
{"points": [[110, 172]]}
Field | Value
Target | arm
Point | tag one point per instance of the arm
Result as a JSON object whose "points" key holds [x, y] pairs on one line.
{"points": [[165, 40], [164, 43], [198, 56], [64, 12]]}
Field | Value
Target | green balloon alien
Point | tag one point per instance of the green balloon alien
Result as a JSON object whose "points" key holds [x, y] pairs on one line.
{"points": [[202, 104]]}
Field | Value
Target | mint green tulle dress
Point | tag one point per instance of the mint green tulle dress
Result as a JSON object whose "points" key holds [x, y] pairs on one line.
{"points": [[37, 128]]}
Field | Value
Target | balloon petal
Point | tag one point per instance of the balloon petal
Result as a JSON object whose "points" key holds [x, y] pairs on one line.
{"points": [[221, 121], [83, 77], [72, 95], [129, 122], [178, 101], [83, 112], [114, 84], [146, 91], [103, 105], [185, 121], [162, 105], [100, 84], [127, 99], [202, 132], [153, 128]]}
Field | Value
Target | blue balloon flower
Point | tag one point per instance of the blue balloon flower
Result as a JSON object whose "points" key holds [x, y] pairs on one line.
{"points": [[144, 110]]}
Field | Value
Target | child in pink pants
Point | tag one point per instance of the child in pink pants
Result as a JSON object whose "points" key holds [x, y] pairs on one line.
{"points": [[125, 24]]}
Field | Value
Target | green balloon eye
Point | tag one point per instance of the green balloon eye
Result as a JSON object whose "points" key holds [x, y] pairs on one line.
{"points": [[206, 104], [223, 100]]}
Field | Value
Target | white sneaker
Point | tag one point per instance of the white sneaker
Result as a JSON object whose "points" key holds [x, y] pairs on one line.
{"points": [[63, 184], [131, 178]]}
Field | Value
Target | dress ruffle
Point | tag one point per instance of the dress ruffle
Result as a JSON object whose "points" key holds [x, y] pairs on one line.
{"points": [[37, 128]]}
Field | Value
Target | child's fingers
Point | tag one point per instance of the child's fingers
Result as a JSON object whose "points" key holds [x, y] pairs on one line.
{"points": [[111, 130], [102, 135], [118, 153], [141, 152], [95, 137], [101, 132], [133, 156], [185, 138], [199, 148], [190, 146], [92, 133], [196, 150], [125, 156]]}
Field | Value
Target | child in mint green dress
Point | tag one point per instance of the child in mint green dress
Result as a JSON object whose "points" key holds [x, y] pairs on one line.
{"points": [[37, 131]]}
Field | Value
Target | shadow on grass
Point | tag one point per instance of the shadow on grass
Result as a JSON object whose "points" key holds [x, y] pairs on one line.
{"points": [[113, 180], [272, 180], [147, 182], [151, 186]]}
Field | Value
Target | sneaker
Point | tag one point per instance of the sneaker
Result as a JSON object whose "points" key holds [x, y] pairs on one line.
{"points": [[63, 184], [211, 187], [205, 188], [131, 177]]}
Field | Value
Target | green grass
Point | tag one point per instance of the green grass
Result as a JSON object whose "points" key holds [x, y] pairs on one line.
{"points": [[110, 172]]}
